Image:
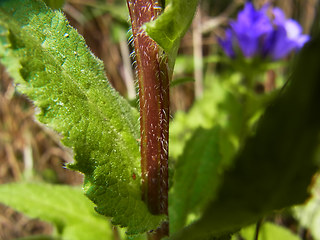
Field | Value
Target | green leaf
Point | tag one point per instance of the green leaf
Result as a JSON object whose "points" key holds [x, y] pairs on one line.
{"points": [[274, 168], [52, 65], [196, 177], [268, 231], [171, 25], [65, 207]]}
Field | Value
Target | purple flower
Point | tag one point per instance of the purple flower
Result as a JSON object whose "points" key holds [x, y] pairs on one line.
{"points": [[256, 34]]}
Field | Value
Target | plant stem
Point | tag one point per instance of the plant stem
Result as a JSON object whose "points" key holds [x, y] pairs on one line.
{"points": [[153, 81], [197, 53], [246, 98], [258, 226]]}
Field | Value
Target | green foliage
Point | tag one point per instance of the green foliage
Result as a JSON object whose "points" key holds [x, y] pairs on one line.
{"points": [[268, 231], [205, 141], [51, 64], [65, 207], [220, 101], [273, 169], [222, 104]]}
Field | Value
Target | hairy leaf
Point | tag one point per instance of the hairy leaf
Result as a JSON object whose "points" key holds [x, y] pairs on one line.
{"points": [[54, 68], [274, 168], [65, 207]]}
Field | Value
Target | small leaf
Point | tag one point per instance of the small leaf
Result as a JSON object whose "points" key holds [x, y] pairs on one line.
{"points": [[274, 168], [65, 207], [171, 25], [52, 65]]}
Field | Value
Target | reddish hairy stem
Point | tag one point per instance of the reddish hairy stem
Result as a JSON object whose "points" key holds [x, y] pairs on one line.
{"points": [[154, 107]]}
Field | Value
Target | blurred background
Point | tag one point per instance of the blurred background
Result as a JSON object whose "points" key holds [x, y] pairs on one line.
{"points": [[29, 151]]}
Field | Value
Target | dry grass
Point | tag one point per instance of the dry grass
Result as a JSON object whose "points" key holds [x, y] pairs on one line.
{"points": [[27, 151]]}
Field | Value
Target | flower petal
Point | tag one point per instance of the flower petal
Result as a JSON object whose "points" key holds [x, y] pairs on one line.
{"points": [[281, 45], [293, 28], [279, 16], [227, 44]]}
